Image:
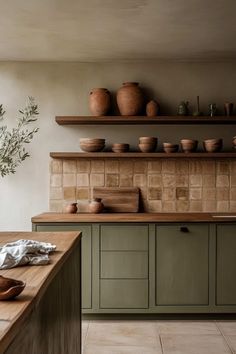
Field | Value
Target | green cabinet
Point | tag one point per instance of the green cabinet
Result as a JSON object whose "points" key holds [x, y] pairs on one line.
{"points": [[86, 255], [123, 274], [156, 267], [225, 264], [182, 258]]}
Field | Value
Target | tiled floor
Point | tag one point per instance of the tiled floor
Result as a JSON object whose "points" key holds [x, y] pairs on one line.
{"points": [[159, 337]]}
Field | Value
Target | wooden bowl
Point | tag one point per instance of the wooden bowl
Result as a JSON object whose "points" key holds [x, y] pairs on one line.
{"points": [[213, 145], [120, 147], [10, 288], [148, 139], [145, 147], [188, 145], [170, 148], [92, 140], [92, 147]]}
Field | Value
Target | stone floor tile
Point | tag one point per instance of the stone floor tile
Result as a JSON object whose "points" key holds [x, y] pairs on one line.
{"points": [[227, 327], [94, 349], [123, 333], [187, 327], [194, 344], [85, 326], [231, 340]]}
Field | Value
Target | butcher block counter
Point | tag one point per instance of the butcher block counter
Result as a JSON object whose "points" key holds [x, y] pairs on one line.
{"points": [[134, 217], [45, 317]]}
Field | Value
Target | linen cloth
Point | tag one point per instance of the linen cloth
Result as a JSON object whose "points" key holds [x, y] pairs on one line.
{"points": [[23, 252]]}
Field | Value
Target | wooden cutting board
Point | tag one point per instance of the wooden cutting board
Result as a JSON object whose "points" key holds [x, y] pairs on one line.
{"points": [[118, 200]]}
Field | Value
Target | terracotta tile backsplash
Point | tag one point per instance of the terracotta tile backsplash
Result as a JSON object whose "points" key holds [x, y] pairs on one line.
{"points": [[165, 185]]}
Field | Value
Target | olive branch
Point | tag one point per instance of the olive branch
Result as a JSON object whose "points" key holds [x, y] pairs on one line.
{"points": [[12, 150]]}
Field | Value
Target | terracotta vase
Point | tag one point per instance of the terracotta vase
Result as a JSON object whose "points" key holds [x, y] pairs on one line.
{"points": [[99, 101], [96, 206], [130, 99], [152, 108], [71, 208]]}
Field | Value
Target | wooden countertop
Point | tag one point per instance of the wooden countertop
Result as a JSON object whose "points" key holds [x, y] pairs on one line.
{"points": [[134, 217], [37, 278]]}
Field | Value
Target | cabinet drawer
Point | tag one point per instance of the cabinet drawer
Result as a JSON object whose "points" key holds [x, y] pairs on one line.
{"points": [[118, 294], [124, 237], [119, 264]]}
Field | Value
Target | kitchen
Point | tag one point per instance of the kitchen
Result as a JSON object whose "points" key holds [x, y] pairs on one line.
{"points": [[59, 67]]}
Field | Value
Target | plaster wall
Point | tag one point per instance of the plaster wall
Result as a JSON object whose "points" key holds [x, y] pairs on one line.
{"points": [[62, 89]]}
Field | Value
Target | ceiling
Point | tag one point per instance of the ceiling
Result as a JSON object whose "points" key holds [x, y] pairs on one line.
{"points": [[98, 30]]}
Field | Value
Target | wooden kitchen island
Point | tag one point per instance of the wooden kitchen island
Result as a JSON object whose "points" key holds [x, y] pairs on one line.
{"points": [[46, 317]]}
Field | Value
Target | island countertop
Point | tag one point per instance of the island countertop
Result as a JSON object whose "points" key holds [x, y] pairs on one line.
{"points": [[37, 278], [51, 217]]}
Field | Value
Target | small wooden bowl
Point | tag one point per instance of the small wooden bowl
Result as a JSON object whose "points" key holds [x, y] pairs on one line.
{"points": [[170, 148], [145, 147], [92, 140], [92, 147], [120, 147], [188, 145], [10, 288]]}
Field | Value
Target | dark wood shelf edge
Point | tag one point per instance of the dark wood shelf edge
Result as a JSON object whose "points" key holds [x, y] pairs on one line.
{"points": [[78, 155], [143, 120]]}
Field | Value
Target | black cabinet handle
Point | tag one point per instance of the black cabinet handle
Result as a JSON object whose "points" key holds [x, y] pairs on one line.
{"points": [[184, 229]]}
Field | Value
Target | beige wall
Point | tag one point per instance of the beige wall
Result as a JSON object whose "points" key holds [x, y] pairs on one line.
{"points": [[62, 88]]}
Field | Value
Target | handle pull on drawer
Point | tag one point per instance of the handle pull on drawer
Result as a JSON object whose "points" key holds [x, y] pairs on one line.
{"points": [[184, 229]]}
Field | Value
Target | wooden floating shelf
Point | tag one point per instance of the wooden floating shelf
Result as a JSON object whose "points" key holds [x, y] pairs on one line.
{"points": [[79, 155], [135, 120]]}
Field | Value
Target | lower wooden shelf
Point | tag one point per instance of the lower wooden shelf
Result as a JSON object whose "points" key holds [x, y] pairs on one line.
{"points": [[79, 155]]}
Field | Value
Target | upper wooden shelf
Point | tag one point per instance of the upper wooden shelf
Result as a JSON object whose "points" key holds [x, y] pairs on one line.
{"points": [[78, 155], [116, 120]]}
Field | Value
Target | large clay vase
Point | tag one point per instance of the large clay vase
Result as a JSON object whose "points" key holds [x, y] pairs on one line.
{"points": [[130, 99], [99, 101]]}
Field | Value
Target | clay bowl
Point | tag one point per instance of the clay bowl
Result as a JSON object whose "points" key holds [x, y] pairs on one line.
{"points": [[145, 147], [147, 140], [92, 147], [213, 145], [10, 288], [92, 141], [188, 145], [170, 148], [121, 147], [234, 142]]}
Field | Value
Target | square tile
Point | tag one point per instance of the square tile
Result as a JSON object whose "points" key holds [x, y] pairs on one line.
{"points": [[182, 206], [187, 327], [168, 180], [168, 206], [97, 179], [56, 166], [222, 181], [182, 193], [56, 180], [153, 206], [140, 180], [140, 166], [195, 194], [168, 193], [154, 166], [112, 180], [181, 167], [195, 167], [168, 166], [69, 180], [126, 167], [154, 193], [97, 166], [69, 166], [83, 166], [111, 166], [195, 180], [126, 180], [126, 333], [82, 179], [154, 180], [194, 344]]}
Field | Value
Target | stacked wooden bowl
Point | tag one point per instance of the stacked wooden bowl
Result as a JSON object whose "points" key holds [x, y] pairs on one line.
{"points": [[169, 147], [213, 145], [147, 143], [92, 145], [120, 147], [188, 145]]}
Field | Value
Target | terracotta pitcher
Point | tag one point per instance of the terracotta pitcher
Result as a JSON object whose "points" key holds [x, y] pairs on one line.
{"points": [[130, 99], [71, 208], [99, 101]]}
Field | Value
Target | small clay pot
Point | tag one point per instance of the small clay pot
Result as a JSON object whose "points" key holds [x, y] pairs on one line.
{"points": [[120, 147], [188, 145], [99, 101], [147, 147], [213, 145], [130, 99], [169, 147], [152, 108], [96, 206], [71, 208]]}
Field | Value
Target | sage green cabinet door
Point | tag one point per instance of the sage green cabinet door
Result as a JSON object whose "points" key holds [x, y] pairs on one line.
{"points": [[123, 294], [124, 264], [86, 257], [124, 237], [182, 257], [226, 265]]}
